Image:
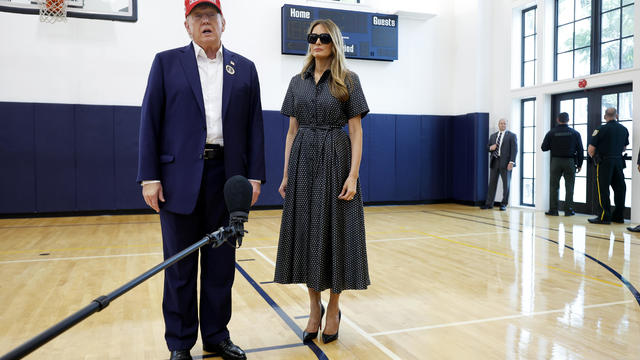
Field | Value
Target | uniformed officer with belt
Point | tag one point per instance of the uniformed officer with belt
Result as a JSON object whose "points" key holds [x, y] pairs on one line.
{"points": [[606, 146], [567, 155], [637, 228]]}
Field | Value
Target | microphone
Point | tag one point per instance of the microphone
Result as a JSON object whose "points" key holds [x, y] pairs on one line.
{"points": [[237, 195]]}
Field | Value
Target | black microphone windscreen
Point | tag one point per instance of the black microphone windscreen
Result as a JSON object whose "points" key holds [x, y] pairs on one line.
{"points": [[237, 194]]}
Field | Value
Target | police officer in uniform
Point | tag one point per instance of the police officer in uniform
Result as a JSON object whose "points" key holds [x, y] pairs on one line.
{"points": [[607, 144], [637, 228], [567, 155]]}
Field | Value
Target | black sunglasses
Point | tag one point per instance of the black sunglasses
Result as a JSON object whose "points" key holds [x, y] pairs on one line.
{"points": [[324, 38]]}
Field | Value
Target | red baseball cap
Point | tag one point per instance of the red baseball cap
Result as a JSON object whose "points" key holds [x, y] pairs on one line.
{"points": [[190, 4]]}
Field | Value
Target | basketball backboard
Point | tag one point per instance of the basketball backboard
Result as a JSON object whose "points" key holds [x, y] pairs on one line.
{"points": [[122, 10]]}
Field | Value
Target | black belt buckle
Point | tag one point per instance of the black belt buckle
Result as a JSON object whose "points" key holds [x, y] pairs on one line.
{"points": [[212, 152]]}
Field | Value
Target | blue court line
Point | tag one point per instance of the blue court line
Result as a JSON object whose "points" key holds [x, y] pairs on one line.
{"points": [[301, 317], [292, 325], [248, 351], [622, 279]]}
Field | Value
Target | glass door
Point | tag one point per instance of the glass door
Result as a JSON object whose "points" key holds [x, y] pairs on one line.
{"points": [[577, 106], [586, 110]]}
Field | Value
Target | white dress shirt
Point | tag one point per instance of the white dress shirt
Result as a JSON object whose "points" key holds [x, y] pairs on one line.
{"points": [[211, 75]]}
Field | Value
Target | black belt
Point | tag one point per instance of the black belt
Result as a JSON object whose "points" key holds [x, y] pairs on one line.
{"points": [[321, 127], [213, 151]]}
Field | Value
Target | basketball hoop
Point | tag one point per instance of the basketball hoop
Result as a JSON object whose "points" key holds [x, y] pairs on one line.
{"points": [[52, 11]]}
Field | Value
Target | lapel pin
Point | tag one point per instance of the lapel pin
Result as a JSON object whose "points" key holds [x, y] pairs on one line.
{"points": [[230, 69]]}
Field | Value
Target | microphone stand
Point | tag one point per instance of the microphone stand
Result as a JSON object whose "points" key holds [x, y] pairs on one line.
{"points": [[216, 239]]}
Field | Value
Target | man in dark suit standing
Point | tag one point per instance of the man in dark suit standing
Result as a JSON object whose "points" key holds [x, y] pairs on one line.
{"points": [[201, 124], [503, 148]]}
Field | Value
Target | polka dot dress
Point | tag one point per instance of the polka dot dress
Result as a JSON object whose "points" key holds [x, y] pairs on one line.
{"points": [[322, 238]]}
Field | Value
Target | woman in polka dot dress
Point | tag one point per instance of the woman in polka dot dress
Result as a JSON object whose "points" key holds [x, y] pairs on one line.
{"points": [[322, 237]]}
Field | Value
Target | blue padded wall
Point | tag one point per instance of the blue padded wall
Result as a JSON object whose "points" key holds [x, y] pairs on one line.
{"points": [[65, 158], [275, 134], [407, 168], [381, 150], [94, 150], [470, 157], [55, 158], [126, 127], [434, 157], [17, 160]]}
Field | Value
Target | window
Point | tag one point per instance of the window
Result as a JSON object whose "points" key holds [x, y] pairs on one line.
{"points": [[573, 38], [593, 36], [528, 153], [529, 46], [616, 36]]}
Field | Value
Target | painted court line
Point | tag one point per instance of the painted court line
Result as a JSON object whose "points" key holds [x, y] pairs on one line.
{"points": [[32, 251], [159, 253], [80, 258], [353, 325], [480, 321]]}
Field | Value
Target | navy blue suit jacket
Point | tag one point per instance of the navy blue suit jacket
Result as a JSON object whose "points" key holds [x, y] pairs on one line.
{"points": [[173, 127]]}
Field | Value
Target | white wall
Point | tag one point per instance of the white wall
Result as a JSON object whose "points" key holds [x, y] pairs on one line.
{"points": [[103, 62]]}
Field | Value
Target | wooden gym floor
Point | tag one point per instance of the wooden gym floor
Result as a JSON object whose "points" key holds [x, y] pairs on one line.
{"points": [[448, 282]]}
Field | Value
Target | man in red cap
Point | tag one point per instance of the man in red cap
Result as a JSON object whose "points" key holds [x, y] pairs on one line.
{"points": [[201, 123]]}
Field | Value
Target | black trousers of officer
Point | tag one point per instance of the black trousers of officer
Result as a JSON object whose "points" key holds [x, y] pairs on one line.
{"points": [[217, 267], [562, 167], [505, 175], [609, 173]]}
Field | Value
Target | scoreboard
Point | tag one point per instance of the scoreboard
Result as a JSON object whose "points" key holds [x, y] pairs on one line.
{"points": [[369, 36]]}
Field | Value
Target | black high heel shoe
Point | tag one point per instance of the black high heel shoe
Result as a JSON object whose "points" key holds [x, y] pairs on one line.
{"points": [[329, 338], [308, 336]]}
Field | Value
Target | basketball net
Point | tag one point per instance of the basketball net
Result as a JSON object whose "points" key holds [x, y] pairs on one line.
{"points": [[52, 11]]}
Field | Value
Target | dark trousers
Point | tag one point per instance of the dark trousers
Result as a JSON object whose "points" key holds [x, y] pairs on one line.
{"points": [[562, 167], [217, 268], [505, 175], [609, 173]]}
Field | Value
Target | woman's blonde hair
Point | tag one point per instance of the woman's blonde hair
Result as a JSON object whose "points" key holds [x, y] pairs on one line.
{"points": [[339, 71]]}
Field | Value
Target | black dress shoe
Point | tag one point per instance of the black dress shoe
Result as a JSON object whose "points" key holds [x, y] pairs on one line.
{"points": [[618, 221], [226, 349], [569, 213], [596, 220], [485, 207], [551, 213], [180, 355], [308, 336], [503, 207], [333, 337], [634, 229]]}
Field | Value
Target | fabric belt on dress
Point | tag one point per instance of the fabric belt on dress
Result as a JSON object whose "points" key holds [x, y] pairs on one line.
{"points": [[321, 127], [213, 151]]}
